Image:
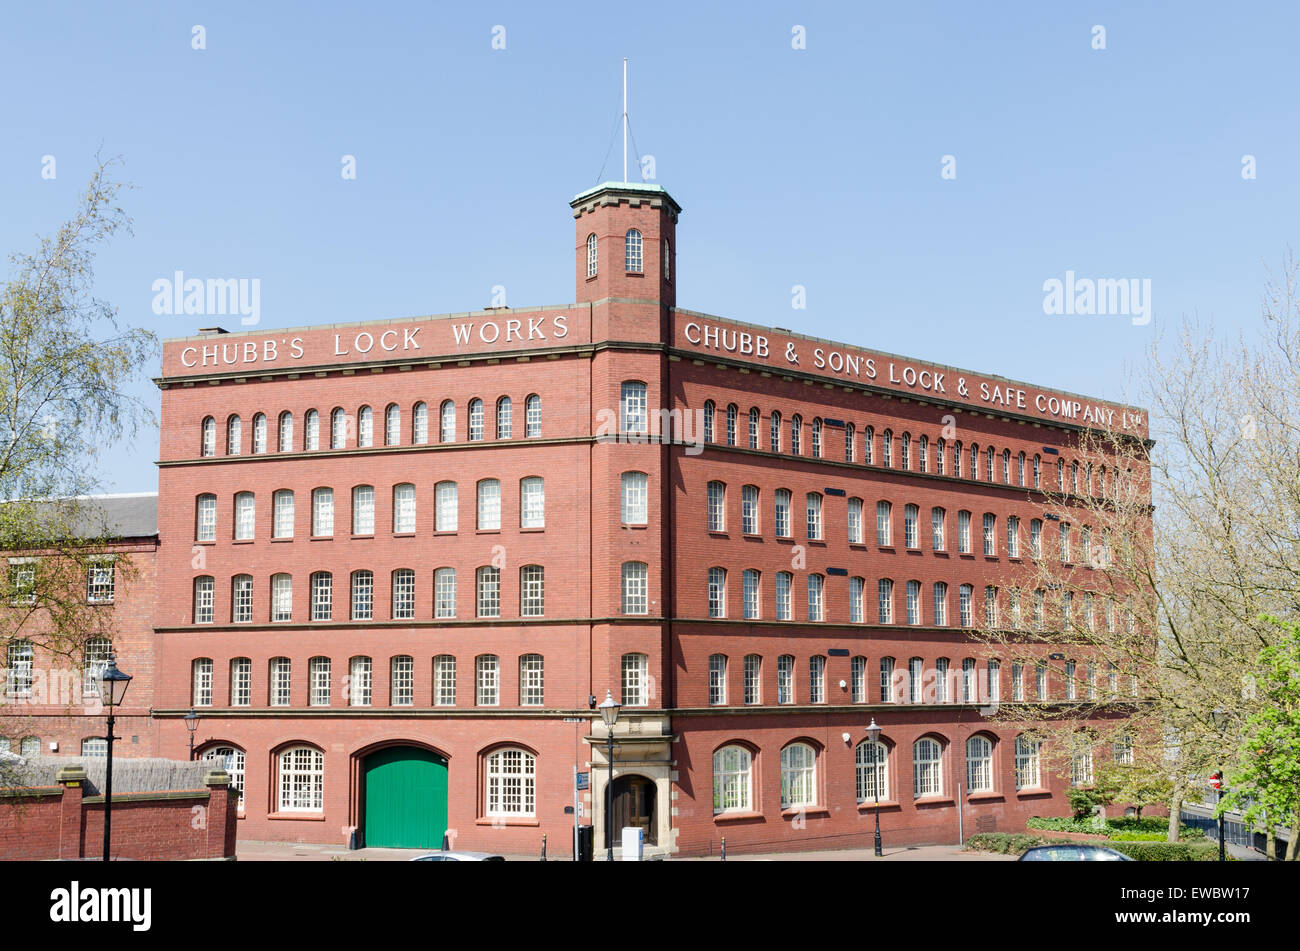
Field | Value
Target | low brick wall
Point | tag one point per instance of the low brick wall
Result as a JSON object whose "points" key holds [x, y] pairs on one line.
{"points": [[60, 822]]}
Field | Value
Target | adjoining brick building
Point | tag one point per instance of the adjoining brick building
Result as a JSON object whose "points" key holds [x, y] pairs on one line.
{"points": [[401, 561]]}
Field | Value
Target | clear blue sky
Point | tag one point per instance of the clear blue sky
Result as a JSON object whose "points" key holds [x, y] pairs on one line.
{"points": [[818, 167]]}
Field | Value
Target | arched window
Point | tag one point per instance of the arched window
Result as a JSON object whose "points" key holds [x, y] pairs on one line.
{"points": [[338, 428], [849, 431], [708, 420], [753, 679], [750, 593], [869, 445], [301, 779], [927, 768], [532, 591], [532, 502], [318, 682], [487, 680], [259, 433], [753, 427], [393, 425], [716, 494], [817, 437], [533, 416], [245, 515], [444, 592], [911, 535], [884, 524], [632, 251], [489, 505], [403, 508], [717, 679], [633, 405], [733, 414], [717, 591], [885, 600], [234, 435], [488, 583], [591, 255], [311, 430], [635, 497], [401, 681], [447, 424], [635, 587], [204, 593], [887, 448], [636, 680], [281, 597], [205, 518], [285, 443], [363, 595], [905, 451], [979, 764], [241, 599], [796, 433], [888, 693], [231, 759], [447, 507], [95, 659], [774, 427], [1028, 775], [420, 424], [208, 443], [732, 787], [511, 776], [201, 682], [923, 453], [444, 680], [403, 594], [667, 266], [941, 457], [872, 761], [363, 510], [365, 427], [505, 418], [322, 596], [813, 515], [475, 420], [798, 776]]}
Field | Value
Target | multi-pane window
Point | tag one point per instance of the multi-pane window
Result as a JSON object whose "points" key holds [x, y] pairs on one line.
{"points": [[205, 519], [532, 502], [937, 518], [869, 444], [1013, 536], [774, 431], [635, 496], [311, 430], [636, 680], [234, 435], [784, 581], [486, 680], [857, 587], [338, 428], [202, 682], [990, 606], [1035, 538], [849, 441], [753, 427], [963, 532], [403, 594], [817, 679], [887, 448], [885, 601], [444, 593], [475, 420], [360, 682], [1017, 681], [749, 589], [633, 412], [785, 678], [796, 432], [923, 453], [994, 680], [815, 601], [717, 507], [322, 512], [281, 682], [990, 534], [19, 659], [281, 597], [282, 514], [444, 680], [1070, 685], [940, 604], [532, 591], [241, 599], [489, 591], [731, 780], [781, 513], [915, 679], [979, 765], [855, 521], [363, 510], [1081, 767], [505, 418], [241, 682], [1123, 751], [533, 416], [964, 594], [245, 515], [204, 591], [911, 514], [302, 780], [403, 508], [99, 581], [814, 515], [968, 680], [905, 451], [95, 659], [259, 433], [990, 455], [884, 525], [872, 762], [632, 251], [710, 413], [927, 768], [732, 412], [420, 424], [635, 587], [591, 255], [887, 680], [208, 446], [817, 437], [402, 681], [753, 678], [1027, 766], [447, 421], [363, 595], [717, 679], [941, 680], [365, 427], [446, 507], [717, 592], [531, 681], [318, 682], [749, 510], [322, 596], [1040, 680], [511, 783], [859, 679], [914, 602], [798, 776], [393, 425], [489, 505]]}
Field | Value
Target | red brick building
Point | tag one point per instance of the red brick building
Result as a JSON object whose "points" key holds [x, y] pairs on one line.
{"points": [[401, 561]]}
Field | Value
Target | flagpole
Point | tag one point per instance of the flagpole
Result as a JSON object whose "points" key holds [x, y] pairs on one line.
{"points": [[625, 120]]}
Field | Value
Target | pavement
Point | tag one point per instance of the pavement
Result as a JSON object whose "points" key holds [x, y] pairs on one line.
{"points": [[290, 852]]}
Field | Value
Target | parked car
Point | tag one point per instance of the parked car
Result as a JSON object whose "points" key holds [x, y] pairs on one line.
{"points": [[441, 856], [1073, 853]]}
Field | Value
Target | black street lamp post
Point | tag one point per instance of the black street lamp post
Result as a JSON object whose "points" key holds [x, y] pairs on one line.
{"points": [[112, 688], [191, 724], [609, 713], [873, 736]]}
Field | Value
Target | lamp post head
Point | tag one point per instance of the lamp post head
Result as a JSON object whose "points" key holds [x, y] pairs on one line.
{"points": [[191, 721], [112, 683], [609, 709], [873, 731]]}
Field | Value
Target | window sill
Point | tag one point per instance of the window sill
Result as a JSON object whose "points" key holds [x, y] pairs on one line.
{"points": [[870, 806], [532, 531], [242, 541], [449, 531], [487, 531], [986, 797], [933, 801], [403, 534], [321, 538], [636, 526], [274, 540], [355, 537], [796, 811], [736, 816], [499, 821], [718, 533], [205, 541], [296, 817], [1035, 793]]}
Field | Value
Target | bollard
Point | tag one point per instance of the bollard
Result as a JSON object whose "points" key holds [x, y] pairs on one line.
{"points": [[723, 853], [543, 846]]}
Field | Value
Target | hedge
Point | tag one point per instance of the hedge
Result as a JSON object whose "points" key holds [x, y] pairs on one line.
{"points": [[1126, 828], [1017, 843]]}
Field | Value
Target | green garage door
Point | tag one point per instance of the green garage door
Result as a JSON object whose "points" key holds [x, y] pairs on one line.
{"points": [[406, 798]]}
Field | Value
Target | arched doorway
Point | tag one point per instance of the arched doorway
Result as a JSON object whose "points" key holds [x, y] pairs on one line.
{"points": [[405, 790], [634, 805]]}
